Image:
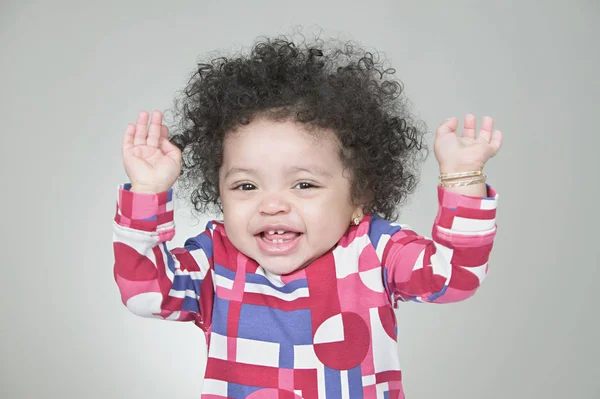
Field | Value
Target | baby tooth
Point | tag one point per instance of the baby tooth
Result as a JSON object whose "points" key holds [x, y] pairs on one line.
{"points": [[280, 232], [271, 231]]}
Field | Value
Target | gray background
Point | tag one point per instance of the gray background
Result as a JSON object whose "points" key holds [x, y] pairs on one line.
{"points": [[73, 74]]}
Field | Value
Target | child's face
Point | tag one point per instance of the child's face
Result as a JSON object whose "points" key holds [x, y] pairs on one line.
{"points": [[275, 178]]}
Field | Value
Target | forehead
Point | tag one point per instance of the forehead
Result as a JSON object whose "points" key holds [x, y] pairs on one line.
{"points": [[267, 142]]}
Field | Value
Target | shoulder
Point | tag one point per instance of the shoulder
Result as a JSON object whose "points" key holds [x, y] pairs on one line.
{"points": [[204, 240], [380, 228], [373, 229]]}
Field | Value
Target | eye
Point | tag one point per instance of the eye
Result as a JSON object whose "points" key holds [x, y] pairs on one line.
{"points": [[245, 187], [305, 185]]}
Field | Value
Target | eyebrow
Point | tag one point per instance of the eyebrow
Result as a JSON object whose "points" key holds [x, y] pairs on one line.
{"points": [[233, 171], [315, 170], [293, 169]]}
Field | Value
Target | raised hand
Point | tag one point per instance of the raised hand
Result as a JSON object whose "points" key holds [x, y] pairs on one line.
{"points": [[467, 152], [151, 161]]}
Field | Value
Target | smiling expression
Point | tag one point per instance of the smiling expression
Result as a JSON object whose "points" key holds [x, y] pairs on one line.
{"points": [[285, 194]]}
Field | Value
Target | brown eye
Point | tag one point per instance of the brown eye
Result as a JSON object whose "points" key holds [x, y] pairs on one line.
{"points": [[245, 187], [304, 185]]}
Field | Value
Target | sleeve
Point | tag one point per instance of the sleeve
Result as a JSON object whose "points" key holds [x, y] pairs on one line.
{"points": [[154, 281], [448, 267]]}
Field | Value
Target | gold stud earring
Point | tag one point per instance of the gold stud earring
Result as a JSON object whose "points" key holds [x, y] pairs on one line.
{"points": [[356, 221]]}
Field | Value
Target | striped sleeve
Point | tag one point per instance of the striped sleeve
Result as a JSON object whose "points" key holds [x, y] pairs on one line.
{"points": [[448, 267], [154, 281]]}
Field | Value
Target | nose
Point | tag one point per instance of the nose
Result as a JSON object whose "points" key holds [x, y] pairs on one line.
{"points": [[273, 204]]}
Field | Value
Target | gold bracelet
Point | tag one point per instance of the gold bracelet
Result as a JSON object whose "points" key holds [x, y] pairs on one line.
{"points": [[461, 183], [456, 175]]}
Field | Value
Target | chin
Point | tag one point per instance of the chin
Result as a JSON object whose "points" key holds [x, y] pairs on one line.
{"points": [[281, 267]]}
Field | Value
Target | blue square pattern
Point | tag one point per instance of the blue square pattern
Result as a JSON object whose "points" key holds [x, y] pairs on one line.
{"points": [[266, 324]]}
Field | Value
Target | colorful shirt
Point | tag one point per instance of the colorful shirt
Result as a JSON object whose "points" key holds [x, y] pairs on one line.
{"points": [[325, 331]]}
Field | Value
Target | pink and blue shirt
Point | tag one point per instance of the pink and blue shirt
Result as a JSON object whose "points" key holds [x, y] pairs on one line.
{"points": [[325, 331]]}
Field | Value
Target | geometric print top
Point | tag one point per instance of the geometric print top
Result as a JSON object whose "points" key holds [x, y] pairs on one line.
{"points": [[325, 331]]}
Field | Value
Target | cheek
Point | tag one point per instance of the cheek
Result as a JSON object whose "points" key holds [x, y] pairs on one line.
{"points": [[235, 216], [234, 211], [330, 212]]}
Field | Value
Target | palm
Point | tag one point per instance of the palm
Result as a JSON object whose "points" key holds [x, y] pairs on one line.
{"points": [[151, 161], [455, 152]]}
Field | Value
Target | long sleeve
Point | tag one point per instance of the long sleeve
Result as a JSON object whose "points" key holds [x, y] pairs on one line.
{"points": [[448, 267], [153, 280]]}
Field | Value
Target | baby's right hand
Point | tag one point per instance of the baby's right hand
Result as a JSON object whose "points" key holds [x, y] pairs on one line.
{"points": [[151, 161]]}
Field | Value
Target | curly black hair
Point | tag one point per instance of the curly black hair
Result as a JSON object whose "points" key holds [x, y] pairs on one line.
{"points": [[343, 89]]}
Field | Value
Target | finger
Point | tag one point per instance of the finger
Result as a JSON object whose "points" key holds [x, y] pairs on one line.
{"points": [[141, 129], [128, 137], [170, 149], [154, 130], [469, 127], [164, 132], [496, 140], [485, 134], [447, 127], [165, 145]]}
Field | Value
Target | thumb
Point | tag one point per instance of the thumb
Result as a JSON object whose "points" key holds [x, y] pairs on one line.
{"points": [[170, 149], [448, 126]]}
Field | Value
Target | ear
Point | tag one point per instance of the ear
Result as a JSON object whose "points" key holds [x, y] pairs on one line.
{"points": [[357, 212], [363, 201]]}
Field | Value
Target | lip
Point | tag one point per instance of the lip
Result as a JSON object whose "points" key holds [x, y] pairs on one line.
{"points": [[284, 248]]}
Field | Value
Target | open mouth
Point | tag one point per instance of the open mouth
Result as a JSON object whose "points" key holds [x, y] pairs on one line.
{"points": [[278, 236], [278, 242]]}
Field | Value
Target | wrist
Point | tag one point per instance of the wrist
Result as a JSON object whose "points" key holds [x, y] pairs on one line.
{"points": [[464, 179], [141, 189], [459, 168], [474, 190]]}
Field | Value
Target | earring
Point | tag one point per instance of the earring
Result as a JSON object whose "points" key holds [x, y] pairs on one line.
{"points": [[356, 221]]}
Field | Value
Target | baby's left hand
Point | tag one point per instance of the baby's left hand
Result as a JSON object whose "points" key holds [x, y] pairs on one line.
{"points": [[465, 153]]}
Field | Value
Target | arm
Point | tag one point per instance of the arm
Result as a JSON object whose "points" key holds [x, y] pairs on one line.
{"points": [[153, 281], [450, 266]]}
